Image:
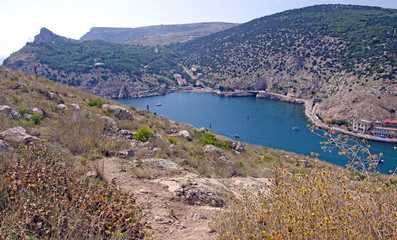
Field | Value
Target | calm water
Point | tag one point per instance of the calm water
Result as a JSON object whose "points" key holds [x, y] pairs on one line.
{"points": [[257, 121]]}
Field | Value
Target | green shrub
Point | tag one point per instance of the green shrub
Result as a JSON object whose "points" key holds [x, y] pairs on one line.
{"points": [[143, 134], [206, 138], [36, 118], [172, 140], [227, 145], [339, 122], [21, 110], [98, 103]]}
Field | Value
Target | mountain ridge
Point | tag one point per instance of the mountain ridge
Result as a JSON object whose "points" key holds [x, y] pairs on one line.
{"points": [[156, 34]]}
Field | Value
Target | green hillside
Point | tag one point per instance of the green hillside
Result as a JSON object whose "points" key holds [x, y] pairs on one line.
{"points": [[338, 53]]}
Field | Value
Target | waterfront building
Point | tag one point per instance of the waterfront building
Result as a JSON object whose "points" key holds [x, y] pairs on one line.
{"points": [[385, 129], [362, 126], [390, 123], [385, 132]]}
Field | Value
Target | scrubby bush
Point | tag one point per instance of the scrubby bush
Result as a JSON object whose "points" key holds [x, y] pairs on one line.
{"points": [[47, 201], [320, 204], [98, 103], [206, 138], [143, 134], [36, 118], [316, 202], [172, 140]]}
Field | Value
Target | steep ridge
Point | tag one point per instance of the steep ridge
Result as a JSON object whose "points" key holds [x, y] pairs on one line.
{"points": [[103, 68]]}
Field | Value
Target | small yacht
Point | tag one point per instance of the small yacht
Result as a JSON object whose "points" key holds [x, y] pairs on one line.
{"points": [[159, 104], [295, 128]]}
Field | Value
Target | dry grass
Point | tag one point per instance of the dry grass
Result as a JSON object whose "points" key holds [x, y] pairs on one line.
{"points": [[45, 200], [318, 202]]}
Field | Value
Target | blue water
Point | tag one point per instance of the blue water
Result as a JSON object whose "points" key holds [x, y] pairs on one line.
{"points": [[257, 121]]}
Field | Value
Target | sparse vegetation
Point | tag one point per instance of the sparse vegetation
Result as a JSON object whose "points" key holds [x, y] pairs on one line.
{"points": [[98, 103], [318, 202], [143, 134], [339, 122], [44, 187]]}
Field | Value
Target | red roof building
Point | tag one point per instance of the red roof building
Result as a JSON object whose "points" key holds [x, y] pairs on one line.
{"points": [[390, 121]]}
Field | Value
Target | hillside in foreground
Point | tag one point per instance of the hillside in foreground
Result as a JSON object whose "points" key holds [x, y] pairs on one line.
{"points": [[75, 165]]}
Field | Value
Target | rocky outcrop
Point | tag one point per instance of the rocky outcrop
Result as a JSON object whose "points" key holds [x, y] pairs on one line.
{"points": [[119, 112], [62, 107], [197, 191], [186, 134], [280, 97], [38, 111], [20, 85], [107, 120], [75, 106], [127, 153], [54, 97], [214, 150], [17, 135], [9, 112], [46, 35]]}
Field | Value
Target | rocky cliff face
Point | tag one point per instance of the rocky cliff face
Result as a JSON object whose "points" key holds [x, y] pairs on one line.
{"points": [[46, 35]]}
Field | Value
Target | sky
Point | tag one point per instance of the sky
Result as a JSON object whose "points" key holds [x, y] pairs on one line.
{"points": [[21, 20]]}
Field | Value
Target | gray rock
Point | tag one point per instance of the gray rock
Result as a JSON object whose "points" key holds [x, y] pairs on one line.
{"points": [[127, 134], [214, 150], [163, 163], [239, 147], [17, 135], [186, 134], [62, 107], [38, 111], [197, 192], [108, 121], [56, 97], [75, 106], [3, 146], [224, 158], [138, 144], [156, 150], [127, 154], [119, 112], [21, 85], [9, 112]]}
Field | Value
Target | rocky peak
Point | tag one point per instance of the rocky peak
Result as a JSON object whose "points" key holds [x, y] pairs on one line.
{"points": [[46, 35]]}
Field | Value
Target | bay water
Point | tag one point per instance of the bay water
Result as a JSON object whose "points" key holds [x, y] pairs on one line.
{"points": [[256, 121]]}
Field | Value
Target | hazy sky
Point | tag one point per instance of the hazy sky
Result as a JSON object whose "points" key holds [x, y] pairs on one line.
{"points": [[21, 20]]}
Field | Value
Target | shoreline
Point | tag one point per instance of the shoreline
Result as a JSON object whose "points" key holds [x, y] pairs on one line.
{"points": [[309, 113], [308, 104]]}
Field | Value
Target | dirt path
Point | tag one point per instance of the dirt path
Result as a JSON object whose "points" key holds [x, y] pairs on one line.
{"points": [[181, 206]]}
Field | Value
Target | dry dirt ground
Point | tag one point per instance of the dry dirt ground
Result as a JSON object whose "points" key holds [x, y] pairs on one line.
{"points": [[176, 203]]}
